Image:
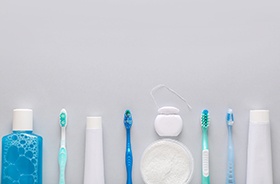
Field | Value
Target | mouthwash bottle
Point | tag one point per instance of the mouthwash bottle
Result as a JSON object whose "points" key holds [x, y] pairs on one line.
{"points": [[22, 151]]}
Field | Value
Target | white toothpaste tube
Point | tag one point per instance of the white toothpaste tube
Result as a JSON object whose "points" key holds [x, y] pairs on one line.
{"points": [[259, 159], [94, 164]]}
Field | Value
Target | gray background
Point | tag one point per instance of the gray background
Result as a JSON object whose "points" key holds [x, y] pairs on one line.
{"points": [[103, 57]]}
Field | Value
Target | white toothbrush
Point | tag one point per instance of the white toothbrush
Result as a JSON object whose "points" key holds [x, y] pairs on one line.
{"points": [[230, 169], [62, 155]]}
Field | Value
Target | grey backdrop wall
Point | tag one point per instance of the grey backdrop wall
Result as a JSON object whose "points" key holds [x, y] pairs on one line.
{"points": [[102, 57]]}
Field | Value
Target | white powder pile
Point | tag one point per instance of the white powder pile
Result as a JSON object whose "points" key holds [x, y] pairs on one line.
{"points": [[167, 162]]}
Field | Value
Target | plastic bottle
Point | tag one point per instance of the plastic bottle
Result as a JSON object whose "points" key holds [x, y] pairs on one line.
{"points": [[259, 160], [94, 165], [22, 151]]}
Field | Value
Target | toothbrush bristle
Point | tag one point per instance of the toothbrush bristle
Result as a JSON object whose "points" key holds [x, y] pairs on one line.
{"points": [[63, 118], [127, 119], [230, 119], [205, 119]]}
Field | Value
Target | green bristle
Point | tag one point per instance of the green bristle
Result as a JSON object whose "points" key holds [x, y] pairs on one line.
{"points": [[205, 119], [63, 118]]}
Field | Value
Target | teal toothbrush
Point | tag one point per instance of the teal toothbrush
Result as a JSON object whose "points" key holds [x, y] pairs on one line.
{"points": [[230, 168], [205, 179], [128, 155], [62, 156]]}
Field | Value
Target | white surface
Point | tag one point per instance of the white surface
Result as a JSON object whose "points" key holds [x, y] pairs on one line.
{"points": [[22, 119], [99, 58], [259, 161]]}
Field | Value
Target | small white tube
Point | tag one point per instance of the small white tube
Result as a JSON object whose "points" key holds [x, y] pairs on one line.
{"points": [[94, 165], [259, 159]]}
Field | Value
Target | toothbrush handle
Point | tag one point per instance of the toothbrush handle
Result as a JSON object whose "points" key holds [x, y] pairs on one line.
{"points": [[230, 168], [128, 159], [205, 179], [62, 159]]}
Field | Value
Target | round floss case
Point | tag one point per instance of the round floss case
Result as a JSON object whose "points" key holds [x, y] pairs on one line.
{"points": [[167, 161], [168, 122]]}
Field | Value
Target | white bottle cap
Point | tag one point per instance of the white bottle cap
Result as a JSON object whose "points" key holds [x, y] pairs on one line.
{"points": [[259, 116], [94, 122], [23, 119]]}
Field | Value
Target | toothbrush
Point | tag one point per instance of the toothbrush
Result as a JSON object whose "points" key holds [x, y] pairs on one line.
{"points": [[62, 155], [205, 179], [128, 156], [230, 168]]}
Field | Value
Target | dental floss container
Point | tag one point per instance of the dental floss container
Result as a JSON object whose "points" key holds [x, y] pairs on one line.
{"points": [[168, 122], [167, 161]]}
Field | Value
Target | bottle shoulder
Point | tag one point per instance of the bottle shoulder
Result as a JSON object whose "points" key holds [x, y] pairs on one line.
{"points": [[22, 134], [7, 136]]}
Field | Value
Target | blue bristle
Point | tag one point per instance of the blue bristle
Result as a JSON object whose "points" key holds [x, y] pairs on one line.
{"points": [[127, 119], [230, 118]]}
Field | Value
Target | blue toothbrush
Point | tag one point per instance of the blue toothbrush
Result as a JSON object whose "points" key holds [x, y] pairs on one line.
{"points": [[230, 168], [62, 155], [128, 156], [205, 178]]}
